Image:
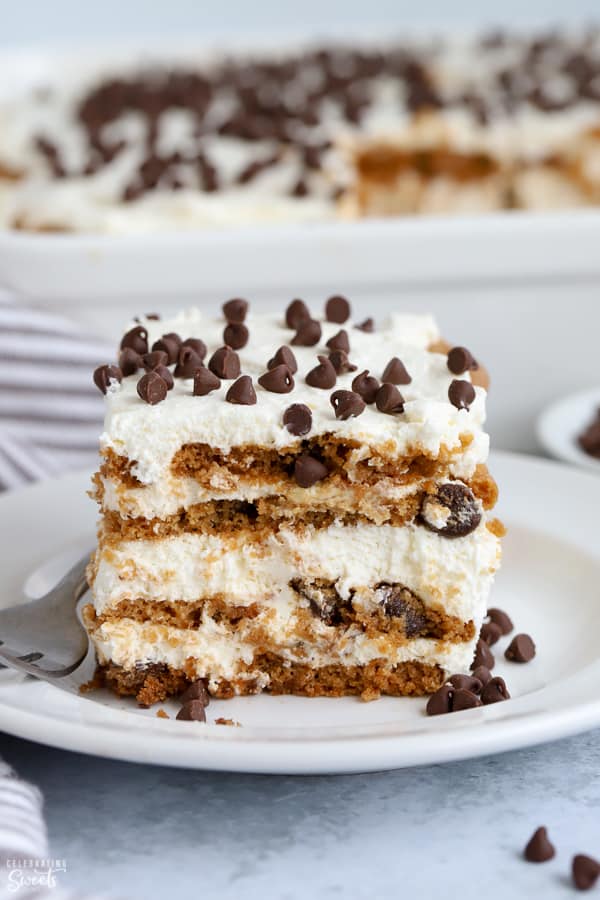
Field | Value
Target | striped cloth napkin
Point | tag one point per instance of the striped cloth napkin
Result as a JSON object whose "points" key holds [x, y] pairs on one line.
{"points": [[50, 410]]}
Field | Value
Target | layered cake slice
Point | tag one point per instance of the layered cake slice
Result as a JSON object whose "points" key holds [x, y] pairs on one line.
{"points": [[290, 503]]}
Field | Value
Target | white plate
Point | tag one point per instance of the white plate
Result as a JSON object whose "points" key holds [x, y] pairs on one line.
{"points": [[560, 424], [549, 583]]}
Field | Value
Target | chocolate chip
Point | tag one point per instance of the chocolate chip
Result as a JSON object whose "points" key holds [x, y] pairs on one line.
{"points": [[169, 346], [154, 317], [150, 361], [198, 346], [461, 394], [368, 326], [395, 372], [388, 399], [192, 711], [585, 872], [366, 385], [397, 602], [166, 376], [308, 470], [205, 381], [297, 419], [501, 619], [296, 313], [440, 702], [300, 188], [225, 363], [339, 341], [322, 376], [347, 404], [103, 375], [235, 310], [490, 633], [538, 848], [495, 691], [236, 335], [340, 362], [129, 361], [278, 380], [188, 363], [464, 699], [242, 392], [284, 357], [483, 656], [308, 333], [136, 339], [466, 683], [196, 691], [482, 674], [521, 649], [460, 361], [337, 309], [452, 511], [151, 388]]}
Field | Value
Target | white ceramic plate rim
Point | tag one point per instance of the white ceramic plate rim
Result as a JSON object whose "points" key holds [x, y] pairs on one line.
{"points": [[559, 425]]}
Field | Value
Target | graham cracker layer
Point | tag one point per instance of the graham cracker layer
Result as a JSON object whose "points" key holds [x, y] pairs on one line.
{"points": [[385, 162], [154, 683]]}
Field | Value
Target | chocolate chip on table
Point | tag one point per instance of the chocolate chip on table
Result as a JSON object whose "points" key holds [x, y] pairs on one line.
{"points": [[340, 362], [452, 511], [192, 711], [483, 656], [585, 871], [466, 682], [322, 376], [388, 399], [235, 310], [501, 619], [168, 346], [198, 346], [521, 649], [103, 375], [368, 326], [308, 470], [464, 699], [242, 392], [440, 703], [155, 358], [205, 381], [308, 333], [339, 341], [166, 376], [236, 335], [337, 309], [188, 363], [296, 313], [136, 339], [297, 419], [347, 404], [395, 372], [490, 633], [152, 388], [461, 361], [461, 394], [129, 361], [494, 691], [225, 363], [482, 674], [278, 380], [284, 357], [366, 385], [538, 848], [197, 690]]}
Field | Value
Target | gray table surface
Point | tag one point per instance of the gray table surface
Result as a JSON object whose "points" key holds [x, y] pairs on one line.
{"points": [[147, 832]]}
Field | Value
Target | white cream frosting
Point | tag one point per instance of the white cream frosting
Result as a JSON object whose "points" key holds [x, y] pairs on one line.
{"points": [[151, 435]]}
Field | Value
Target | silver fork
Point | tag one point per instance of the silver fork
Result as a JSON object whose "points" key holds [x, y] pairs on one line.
{"points": [[44, 637]]}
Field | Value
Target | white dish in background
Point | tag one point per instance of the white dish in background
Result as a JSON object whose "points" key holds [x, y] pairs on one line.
{"points": [[549, 559], [560, 424]]}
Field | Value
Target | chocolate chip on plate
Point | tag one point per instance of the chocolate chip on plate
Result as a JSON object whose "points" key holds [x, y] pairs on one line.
{"points": [[308, 470], [466, 682], [495, 691], [235, 310], [521, 649], [307, 334], [585, 871], [347, 404], [205, 381], [188, 363], [152, 388], [366, 385], [192, 711], [297, 419], [337, 309], [242, 392], [461, 361], [367, 326], [490, 633], [340, 362], [278, 380], [464, 699], [197, 690], [538, 848], [322, 376], [284, 357], [461, 394], [388, 399], [225, 363], [395, 372], [103, 375], [236, 335], [339, 341], [296, 313], [483, 656], [482, 674], [452, 511], [501, 619], [440, 703], [136, 339]]}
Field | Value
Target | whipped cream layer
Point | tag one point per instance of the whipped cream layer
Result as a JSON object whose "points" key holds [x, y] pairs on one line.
{"points": [[149, 436]]}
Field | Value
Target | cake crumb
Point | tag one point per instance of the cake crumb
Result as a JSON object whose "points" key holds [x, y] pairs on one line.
{"points": [[162, 714], [231, 722], [370, 694]]}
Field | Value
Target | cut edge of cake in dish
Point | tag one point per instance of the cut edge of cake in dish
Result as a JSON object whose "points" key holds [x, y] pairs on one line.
{"points": [[290, 503]]}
